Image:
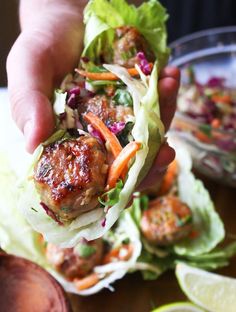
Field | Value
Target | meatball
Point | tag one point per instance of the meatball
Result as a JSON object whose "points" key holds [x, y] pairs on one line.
{"points": [[128, 43], [75, 262], [70, 175], [99, 105], [103, 107], [166, 220]]}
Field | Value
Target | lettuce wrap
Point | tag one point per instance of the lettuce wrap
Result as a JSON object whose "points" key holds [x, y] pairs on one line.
{"points": [[201, 247], [18, 238], [147, 130], [101, 17]]}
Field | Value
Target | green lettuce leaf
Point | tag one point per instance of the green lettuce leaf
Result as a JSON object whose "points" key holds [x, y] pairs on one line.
{"points": [[217, 258], [18, 238], [202, 251], [206, 221], [102, 16], [155, 266]]}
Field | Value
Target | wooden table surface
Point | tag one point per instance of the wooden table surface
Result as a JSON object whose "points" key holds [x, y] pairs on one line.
{"points": [[132, 294]]}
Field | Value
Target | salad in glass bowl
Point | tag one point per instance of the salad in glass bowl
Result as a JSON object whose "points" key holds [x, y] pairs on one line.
{"points": [[206, 108]]}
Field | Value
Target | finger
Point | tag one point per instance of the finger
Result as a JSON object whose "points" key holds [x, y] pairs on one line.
{"points": [[30, 82], [171, 72], [165, 156], [168, 89]]}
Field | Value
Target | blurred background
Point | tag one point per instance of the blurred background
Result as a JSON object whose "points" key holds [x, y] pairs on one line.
{"points": [[9, 30], [186, 16]]}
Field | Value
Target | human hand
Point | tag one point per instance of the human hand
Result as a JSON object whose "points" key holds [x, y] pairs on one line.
{"points": [[168, 87], [47, 49]]}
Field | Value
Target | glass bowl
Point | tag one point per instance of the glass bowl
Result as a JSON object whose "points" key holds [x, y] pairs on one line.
{"points": [[210, 53]]}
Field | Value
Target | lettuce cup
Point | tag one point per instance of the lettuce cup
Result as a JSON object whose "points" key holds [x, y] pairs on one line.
{"points": [[109, 128]]}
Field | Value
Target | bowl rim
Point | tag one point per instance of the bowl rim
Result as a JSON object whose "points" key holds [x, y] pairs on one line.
{"points": [[202, 33], [193, 36]]}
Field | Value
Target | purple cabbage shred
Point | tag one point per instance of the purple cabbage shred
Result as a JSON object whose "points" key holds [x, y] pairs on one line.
{"points": [[144, 64], [95, 133], [75, 90], [72, 101], [216, 82], [117, 127], [104, 222], [73, 95], [50, 213]]}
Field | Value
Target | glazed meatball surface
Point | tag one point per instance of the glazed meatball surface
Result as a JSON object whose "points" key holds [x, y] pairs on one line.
{"points": [[128, 43], [166, 220], [70, 175], [103, 107], [71, 262]]}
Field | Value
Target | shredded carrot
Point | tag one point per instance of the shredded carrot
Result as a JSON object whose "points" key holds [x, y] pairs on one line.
{"points": [[121, 162], [169, 178], [111, 255], [221, 99], [202, 137], [122, 253], [215, 123], [107, 75], [112, 142], [86, 282]]}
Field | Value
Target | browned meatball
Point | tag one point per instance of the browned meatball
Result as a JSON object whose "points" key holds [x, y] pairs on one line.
{"points": [[166, 220], [99, 105], [103, 107], [70, 175], [128, 43], [75, 262]]}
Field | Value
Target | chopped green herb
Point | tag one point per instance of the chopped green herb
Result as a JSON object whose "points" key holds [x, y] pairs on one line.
{"points": [[111, 197], [84, 250], [123, 97], [206, 129], [128, 54], [144, 200], [126, 241], [34, 209], [65, 209], [182, 221], [92, 68]]}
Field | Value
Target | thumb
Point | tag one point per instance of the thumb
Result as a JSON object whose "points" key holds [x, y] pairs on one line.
{"points": [[30, 83]]}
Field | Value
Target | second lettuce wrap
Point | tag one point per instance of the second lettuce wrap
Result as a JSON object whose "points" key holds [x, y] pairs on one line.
{"points": [[18, 238]]}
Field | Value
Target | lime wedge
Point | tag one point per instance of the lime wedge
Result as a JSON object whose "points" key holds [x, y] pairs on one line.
{"points": [[211, 291], [178, 307]]}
